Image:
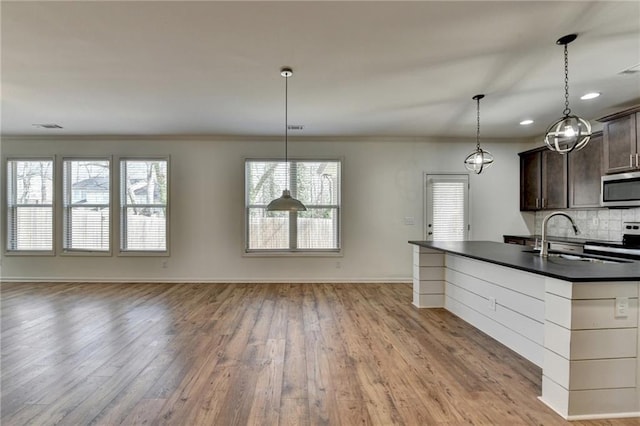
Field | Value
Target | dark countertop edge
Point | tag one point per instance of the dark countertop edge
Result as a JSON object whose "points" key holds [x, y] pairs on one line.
{"points": [[426, 244], [569, 240]]}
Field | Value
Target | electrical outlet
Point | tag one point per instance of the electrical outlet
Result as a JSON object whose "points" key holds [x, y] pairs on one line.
{"points": [[164, 264], [338, 265], [409, 220], [492, 303], [622, 307]]}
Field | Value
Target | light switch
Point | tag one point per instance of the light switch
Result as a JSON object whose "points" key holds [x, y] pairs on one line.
{"points": [[409, 220]]}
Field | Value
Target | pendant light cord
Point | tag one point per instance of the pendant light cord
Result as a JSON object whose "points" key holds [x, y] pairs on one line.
{"points": [[286, 118], [567, 110], [286, 128], [478, 125]]}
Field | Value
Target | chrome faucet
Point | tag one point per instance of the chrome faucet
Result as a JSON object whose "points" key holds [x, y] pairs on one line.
{"points": [[544, 249]]}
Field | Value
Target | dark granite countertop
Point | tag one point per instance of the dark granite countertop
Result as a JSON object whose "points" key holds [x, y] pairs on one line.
{"points": [[514, 256]]}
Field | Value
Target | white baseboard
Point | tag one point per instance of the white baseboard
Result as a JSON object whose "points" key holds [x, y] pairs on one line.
{"points": [[604, 416], [208, 280]]}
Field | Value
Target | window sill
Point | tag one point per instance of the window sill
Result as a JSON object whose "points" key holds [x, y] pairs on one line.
{"points": [[28, 253], [88, 253], [284, 253], [144, 253]]}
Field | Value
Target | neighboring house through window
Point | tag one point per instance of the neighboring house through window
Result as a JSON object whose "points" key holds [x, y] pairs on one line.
{"points": [[316, 183], [86, 205]]}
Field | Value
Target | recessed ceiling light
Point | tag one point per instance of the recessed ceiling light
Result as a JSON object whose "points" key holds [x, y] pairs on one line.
{"points": [[526, 122], [591, 95]]}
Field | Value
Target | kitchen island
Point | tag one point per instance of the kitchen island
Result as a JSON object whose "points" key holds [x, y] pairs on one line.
{"points": [[577, 320]]}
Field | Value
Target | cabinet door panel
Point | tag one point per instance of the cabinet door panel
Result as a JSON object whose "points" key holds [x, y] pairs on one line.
{"points": [[585, 171], [620, 144], [530, 193], [554, 180]]}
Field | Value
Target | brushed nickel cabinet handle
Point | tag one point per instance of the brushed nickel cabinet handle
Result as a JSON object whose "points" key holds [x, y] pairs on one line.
{"points": [[537, 203], [630, 160], [637, 160]]}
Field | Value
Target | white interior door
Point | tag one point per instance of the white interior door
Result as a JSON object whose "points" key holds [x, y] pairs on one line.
{"points": [[446, 207]]}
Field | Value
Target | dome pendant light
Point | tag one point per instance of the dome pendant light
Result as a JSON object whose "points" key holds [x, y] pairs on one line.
{"points": [[570, 132], [479, 159], [286, 202]]}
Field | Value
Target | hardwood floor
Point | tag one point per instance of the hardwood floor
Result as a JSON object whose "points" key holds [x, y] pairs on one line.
{"points": [[261, 354]]}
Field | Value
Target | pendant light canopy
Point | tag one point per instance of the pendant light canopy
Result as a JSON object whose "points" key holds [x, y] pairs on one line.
{"points": [[570, 132], [479, 159], [286, 202]]}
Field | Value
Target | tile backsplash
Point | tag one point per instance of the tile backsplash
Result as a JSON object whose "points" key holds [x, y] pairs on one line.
{"points": [[595, 224]]}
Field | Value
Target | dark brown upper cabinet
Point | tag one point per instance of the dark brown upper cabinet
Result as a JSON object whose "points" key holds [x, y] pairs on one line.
{"points": [[621, 145], [586, 168], [543, 180], [530, 183]]}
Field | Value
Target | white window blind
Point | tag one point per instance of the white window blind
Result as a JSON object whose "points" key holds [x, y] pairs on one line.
{"points": [[30, 205], [315, 183], [86, 205], [143, 205], [448, 207]]}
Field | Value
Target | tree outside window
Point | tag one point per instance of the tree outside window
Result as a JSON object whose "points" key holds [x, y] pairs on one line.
{"points": [[30, 205], [144, 201], [316, 183]]}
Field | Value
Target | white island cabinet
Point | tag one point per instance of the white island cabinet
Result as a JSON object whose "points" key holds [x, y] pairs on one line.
{"points": [[581, 328]]}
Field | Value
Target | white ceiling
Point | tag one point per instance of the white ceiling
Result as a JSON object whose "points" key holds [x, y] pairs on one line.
{"points": [[360, 68]]}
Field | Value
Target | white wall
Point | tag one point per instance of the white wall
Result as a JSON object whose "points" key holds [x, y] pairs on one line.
{"points": [[382, 184]]}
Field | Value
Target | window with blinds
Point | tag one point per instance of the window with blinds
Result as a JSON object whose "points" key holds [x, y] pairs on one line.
{"points": [[86, 190], [447, 207], [316, 183], [144, 205], [30, 205]]}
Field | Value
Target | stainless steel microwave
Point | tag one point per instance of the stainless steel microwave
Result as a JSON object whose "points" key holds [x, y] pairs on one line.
{"points": [[620, 190]]}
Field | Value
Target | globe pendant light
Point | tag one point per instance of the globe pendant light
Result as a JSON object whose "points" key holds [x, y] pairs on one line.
{"points": [[479, 159], [286, 202], [570, 132]]}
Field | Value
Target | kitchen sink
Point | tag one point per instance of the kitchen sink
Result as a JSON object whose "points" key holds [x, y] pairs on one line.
{"points": [[573, 258]]}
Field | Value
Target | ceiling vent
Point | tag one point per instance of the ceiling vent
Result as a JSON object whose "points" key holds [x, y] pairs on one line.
{"points": [[48, 126], [631, 70]]}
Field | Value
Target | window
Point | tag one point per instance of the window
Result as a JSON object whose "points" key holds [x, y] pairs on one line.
{"points": [[86, 205], [30, 205], [143, 205], [447, 200], [316, 183]]}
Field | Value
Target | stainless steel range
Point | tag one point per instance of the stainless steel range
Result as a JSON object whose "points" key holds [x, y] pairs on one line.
{"points": [[629, 247]]}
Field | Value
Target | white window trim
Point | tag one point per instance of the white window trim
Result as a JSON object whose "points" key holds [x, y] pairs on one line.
{"points": [[4, 207], [117, 240], [337, 252], [60, 214]]}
